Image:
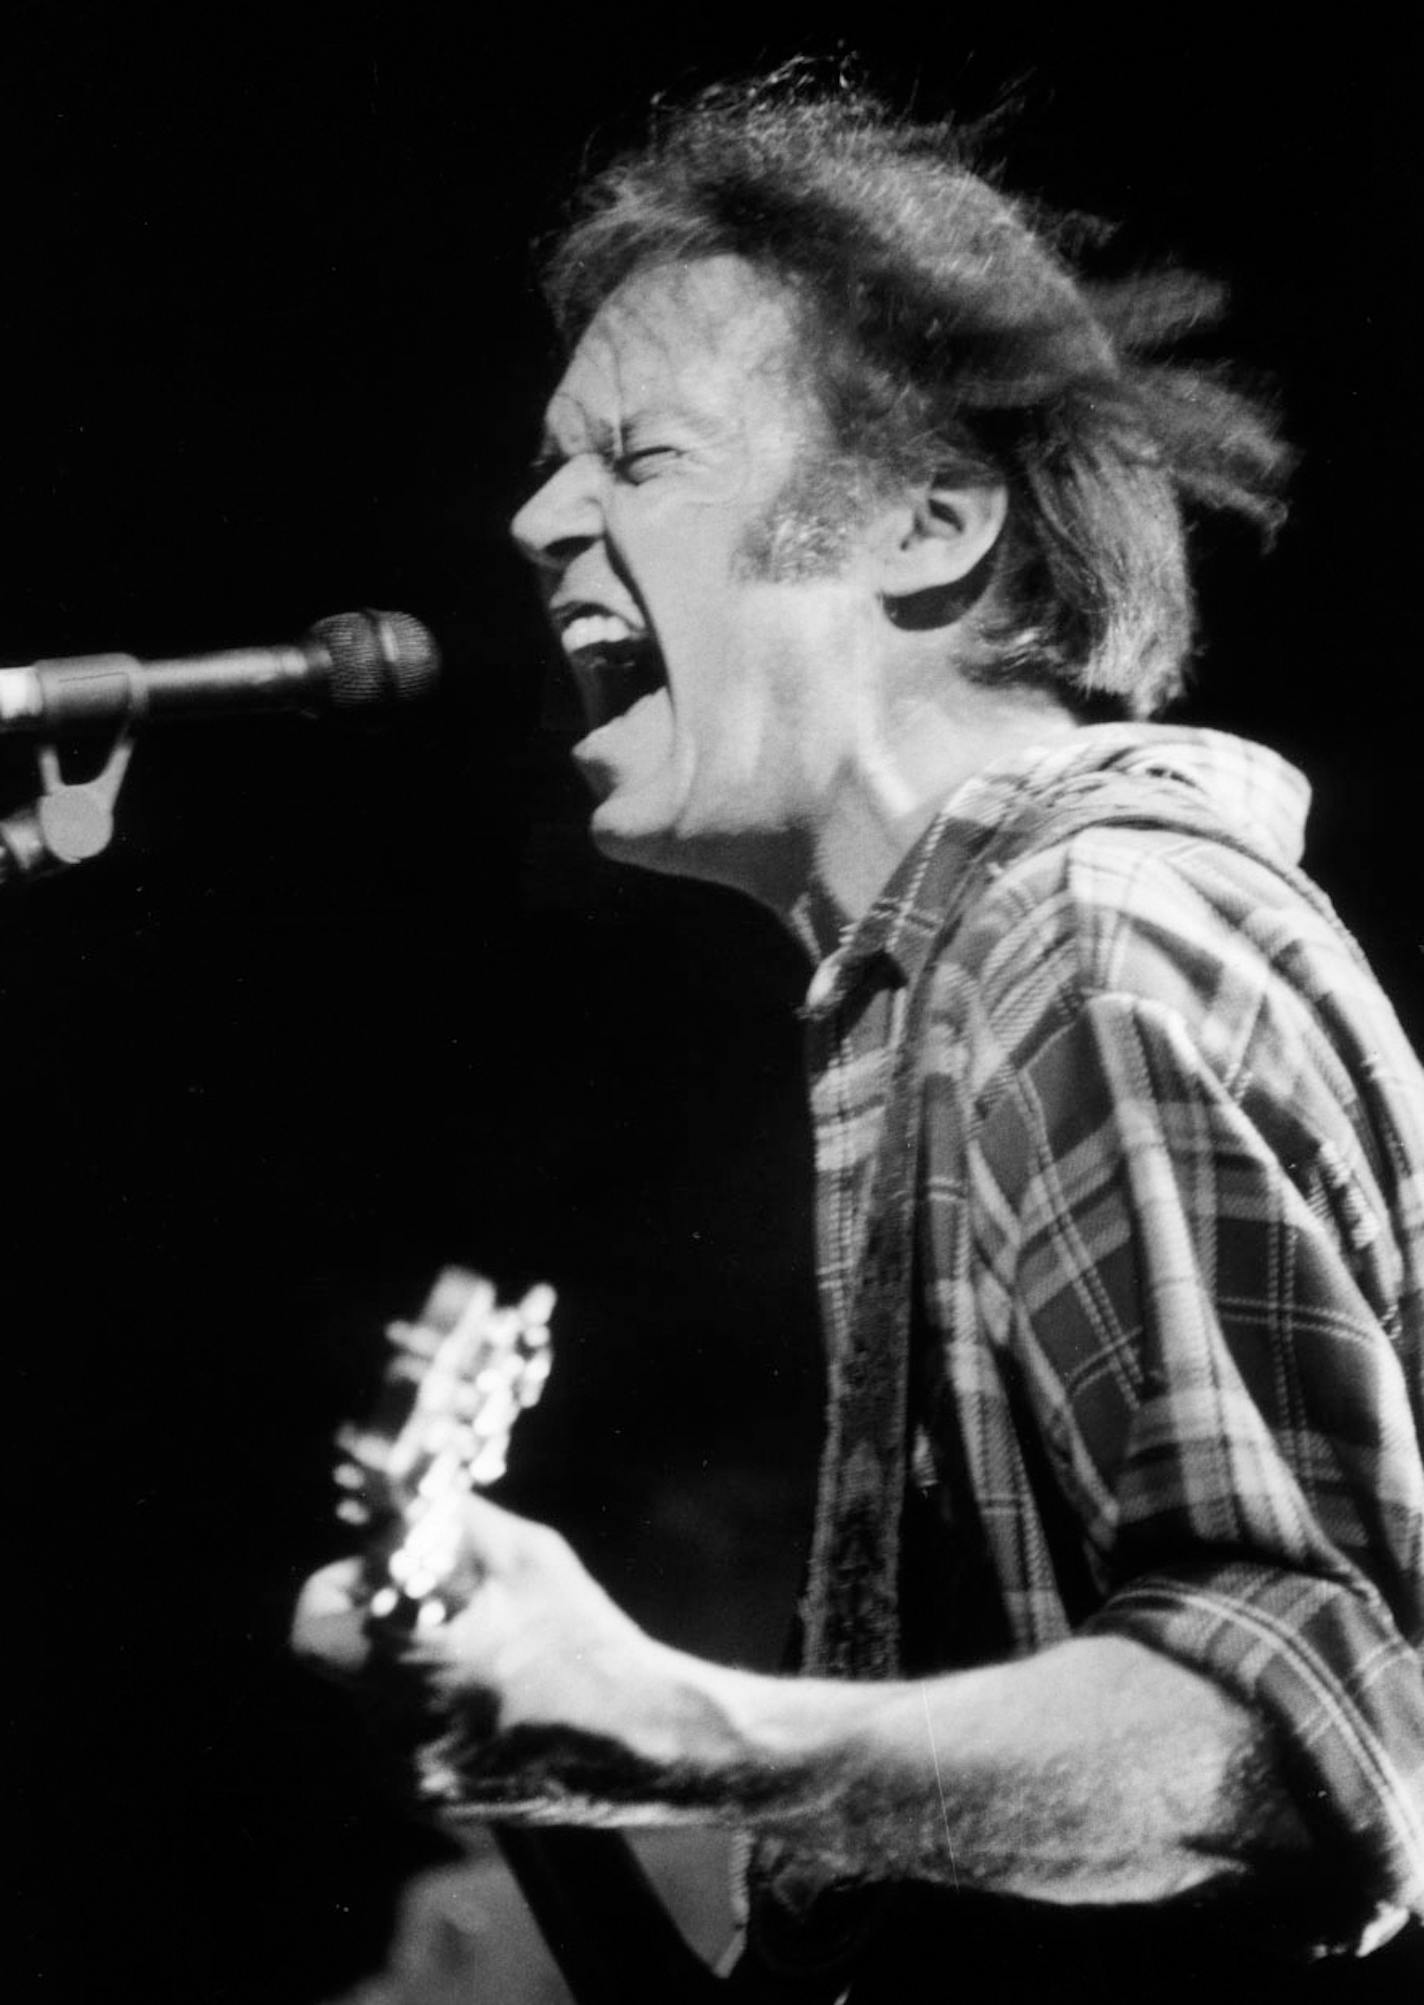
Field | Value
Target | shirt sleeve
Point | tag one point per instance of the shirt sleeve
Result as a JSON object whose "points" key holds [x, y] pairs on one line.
{"points": [[1197, 1318]]}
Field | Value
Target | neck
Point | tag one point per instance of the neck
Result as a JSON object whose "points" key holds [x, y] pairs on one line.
{"points": [[885, 800]]}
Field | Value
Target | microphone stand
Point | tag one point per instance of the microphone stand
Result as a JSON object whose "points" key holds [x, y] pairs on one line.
{"points": [[70, 822]]}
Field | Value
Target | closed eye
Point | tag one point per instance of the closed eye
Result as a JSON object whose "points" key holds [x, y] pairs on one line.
{"points": [[637, 464], [641, 462]]}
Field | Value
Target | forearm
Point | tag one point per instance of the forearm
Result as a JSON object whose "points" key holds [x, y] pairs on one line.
{"points": [[1100, 1771], [1096, 1772]]}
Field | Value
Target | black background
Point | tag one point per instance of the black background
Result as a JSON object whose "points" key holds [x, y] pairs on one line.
{"points": [[339, 1007]]}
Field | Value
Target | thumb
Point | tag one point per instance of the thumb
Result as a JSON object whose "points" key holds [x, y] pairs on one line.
{"points": [[329, 1623]]}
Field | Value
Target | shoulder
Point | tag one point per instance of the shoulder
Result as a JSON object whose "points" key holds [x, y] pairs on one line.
{"points": [[1172, 926], [1161, 913]]}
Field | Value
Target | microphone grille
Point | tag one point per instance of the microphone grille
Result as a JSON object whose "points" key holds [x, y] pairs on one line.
{"points": [[376, 657]]}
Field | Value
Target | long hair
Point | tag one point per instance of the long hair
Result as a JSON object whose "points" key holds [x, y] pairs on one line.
{"points": [[944, 331]]}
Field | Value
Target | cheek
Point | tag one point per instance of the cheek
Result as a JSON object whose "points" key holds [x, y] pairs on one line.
{"points": [[684, 575], [675, 544], [805, 677]]}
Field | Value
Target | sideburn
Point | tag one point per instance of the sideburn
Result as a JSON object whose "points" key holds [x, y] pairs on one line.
{"points": [[805, 531]]}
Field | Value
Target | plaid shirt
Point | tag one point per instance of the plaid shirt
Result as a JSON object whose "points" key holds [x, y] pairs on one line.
{"points": [[1172, 1227]]}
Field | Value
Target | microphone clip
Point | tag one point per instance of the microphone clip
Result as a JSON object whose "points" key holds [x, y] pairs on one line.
{"points": [[71, 821]]}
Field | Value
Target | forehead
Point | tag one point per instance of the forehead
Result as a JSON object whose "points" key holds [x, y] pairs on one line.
{"points": [[708, 339]]}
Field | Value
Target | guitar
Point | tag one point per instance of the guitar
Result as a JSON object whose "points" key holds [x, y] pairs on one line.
{"points": [[458, 1379]]}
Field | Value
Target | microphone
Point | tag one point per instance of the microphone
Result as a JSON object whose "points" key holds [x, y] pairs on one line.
{"points": [[346, 662]]}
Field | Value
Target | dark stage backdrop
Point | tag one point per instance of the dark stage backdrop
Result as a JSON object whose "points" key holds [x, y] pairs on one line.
{"points": [[339, 1007]]}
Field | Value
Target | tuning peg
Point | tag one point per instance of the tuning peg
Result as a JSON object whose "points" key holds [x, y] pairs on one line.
{"points": [[489, 1464], [417, 1338], [457, 1294], [366, 1451], [534, 1378], [538, 1306]]}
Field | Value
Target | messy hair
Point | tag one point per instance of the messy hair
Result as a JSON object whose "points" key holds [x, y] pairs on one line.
{"points": [[945, 332]]}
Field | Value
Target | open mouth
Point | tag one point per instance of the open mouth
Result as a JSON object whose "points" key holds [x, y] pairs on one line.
{"points": [[614, 663]]}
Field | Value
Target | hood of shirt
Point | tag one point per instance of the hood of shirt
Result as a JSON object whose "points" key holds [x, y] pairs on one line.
{"points": [[1252, 789]]}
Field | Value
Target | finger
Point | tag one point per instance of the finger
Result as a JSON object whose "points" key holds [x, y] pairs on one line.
{"points": [[328, 1625], [337, 1643], [332, 1590]]}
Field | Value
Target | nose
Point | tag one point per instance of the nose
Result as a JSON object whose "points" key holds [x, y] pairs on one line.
{"points": [[563, 516]]}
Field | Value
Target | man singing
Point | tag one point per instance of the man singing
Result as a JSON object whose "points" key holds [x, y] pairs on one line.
{"points": [[861, 520]]}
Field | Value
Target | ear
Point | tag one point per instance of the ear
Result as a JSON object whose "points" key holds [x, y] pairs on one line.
{"points": [[943, 533]]}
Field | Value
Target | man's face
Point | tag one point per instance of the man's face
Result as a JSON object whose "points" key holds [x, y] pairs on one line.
{"points": [[718, 640]]}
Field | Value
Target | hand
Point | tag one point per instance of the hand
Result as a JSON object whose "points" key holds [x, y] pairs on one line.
{"points": [[537, 1651], [537, 1642]]}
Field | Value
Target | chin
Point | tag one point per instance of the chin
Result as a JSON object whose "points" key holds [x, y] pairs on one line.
{"points": [[661, 821], [625, 836], [638, 810], [644, 851], [674, 852]]}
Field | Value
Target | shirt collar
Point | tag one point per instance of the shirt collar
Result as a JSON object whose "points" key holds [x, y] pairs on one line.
{"points": [[899, 928], [1249, 784]]}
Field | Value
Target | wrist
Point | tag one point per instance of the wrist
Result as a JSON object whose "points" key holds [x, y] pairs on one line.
{"points": [[775, 1747], [686, 1713]]}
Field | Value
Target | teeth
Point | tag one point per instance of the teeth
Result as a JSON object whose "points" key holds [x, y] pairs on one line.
{"points": [[596, 630]]}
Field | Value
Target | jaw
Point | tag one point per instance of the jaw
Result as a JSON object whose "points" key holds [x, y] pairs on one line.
{"points": [[657, 810], [628, 760], [714, 769]]}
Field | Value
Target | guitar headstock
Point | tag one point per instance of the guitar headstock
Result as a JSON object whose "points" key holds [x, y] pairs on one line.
{"points": [[460, 1377]]}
